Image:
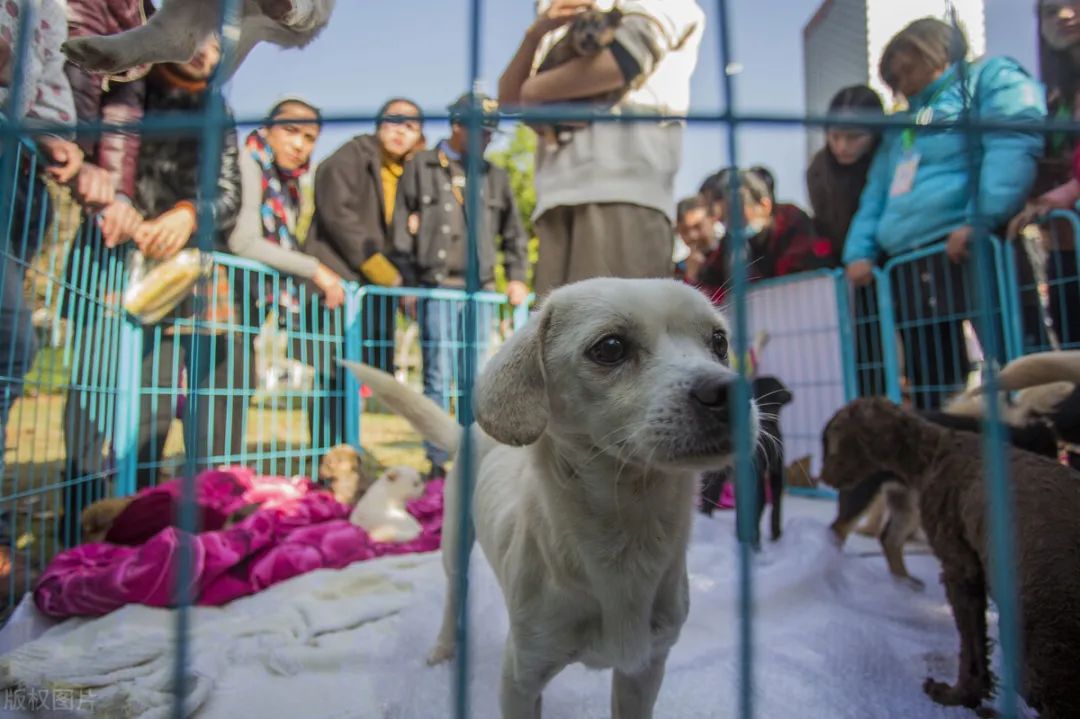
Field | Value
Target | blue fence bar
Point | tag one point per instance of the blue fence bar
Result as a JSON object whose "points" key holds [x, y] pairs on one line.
{"points": [[259, 383]]}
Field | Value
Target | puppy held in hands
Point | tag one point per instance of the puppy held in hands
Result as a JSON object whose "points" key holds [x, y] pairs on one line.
{"points": [[872, 436], [176, 30], [381, 511], [591, 32]]}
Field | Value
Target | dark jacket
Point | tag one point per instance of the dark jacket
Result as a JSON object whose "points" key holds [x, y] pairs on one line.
{"points": [[349, 226], [834, 191], [168, 174], [168, 167], [787, 247], [110, 100], [425, 188]]}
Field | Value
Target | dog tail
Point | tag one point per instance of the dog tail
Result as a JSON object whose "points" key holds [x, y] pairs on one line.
{"points": [[1038, 369], [426, 417]]}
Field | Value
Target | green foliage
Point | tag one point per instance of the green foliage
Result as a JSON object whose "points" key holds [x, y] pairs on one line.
{"points": [[518, 159]]}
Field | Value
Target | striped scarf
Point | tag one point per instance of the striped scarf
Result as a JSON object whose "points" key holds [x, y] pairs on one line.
{"points": [[280, 190]]}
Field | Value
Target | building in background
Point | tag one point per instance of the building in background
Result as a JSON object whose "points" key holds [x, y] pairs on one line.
{"points": [[842, 45]]}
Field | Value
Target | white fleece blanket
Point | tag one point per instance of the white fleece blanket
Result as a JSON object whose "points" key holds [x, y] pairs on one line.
{"points": [[835, 637]]}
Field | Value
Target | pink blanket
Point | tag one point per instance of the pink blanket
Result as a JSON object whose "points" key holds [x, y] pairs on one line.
{"points": [[298, 528]]}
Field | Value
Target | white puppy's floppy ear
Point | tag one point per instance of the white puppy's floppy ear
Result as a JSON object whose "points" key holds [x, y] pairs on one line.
{"points": [[510, 395]]}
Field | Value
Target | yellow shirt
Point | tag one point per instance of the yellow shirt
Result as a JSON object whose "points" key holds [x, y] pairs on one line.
{"points": [[390, 171]]}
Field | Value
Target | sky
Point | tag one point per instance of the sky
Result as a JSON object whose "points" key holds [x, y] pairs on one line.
{"points": [[376, 49]]}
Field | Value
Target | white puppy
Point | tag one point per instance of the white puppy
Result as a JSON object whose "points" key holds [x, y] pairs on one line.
{"points": [[381, 511], [175, 32], [594, 422]]}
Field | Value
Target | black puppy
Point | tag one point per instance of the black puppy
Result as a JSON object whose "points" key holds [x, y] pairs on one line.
{"points": [[770, 394]]}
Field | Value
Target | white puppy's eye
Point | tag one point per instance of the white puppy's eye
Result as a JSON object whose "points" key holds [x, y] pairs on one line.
{"points": [[608, 350], [720, 344]]}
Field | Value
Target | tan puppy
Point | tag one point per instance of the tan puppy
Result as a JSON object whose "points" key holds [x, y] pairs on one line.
{"points": [[97, 519], [342, 471]]}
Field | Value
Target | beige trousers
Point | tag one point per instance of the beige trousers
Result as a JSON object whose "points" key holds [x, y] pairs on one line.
{"points": [[608, 240]]}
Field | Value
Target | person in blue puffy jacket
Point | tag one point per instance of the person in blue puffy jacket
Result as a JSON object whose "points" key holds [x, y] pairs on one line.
{"points": [[920, 189]]}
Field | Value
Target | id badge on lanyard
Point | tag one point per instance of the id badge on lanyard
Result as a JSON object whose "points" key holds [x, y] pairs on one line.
{"points": [[904, 176]]}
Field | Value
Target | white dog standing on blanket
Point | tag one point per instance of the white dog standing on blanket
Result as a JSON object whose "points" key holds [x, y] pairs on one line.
{"points": [[594, 421], [177, 29]]}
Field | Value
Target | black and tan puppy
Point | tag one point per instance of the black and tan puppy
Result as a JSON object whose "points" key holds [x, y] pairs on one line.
{"points": [[591, 32], [945, 467], [771, 395]]}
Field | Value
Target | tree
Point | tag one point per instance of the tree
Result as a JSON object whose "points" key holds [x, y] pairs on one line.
{"points": [[519, 159]]}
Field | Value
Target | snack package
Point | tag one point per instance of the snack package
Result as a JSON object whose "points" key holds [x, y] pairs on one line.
{"points": [[154, 289]]}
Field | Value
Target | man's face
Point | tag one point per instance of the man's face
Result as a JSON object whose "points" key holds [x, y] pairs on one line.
{"points": [[695, 229], [459, 137]]}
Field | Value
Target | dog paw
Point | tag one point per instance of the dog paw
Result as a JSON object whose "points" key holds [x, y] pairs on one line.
{"points": [[913, 583], [951, 696], [440, 654], [92, 54]]}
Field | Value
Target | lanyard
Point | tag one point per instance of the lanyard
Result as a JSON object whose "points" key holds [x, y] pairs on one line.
{"points": [[922, 117]]}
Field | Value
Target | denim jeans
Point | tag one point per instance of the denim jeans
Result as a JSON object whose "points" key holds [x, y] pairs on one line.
{"points": [[442, 345]]}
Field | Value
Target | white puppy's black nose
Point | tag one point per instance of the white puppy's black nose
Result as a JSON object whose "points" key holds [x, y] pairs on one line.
{"points": [[712, 392]]}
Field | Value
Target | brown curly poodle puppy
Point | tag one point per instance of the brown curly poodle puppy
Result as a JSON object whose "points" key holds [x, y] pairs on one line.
{"points": [[946, 468]]}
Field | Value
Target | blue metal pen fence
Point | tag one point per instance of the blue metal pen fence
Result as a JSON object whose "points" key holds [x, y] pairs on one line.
{"points": [[116, 389]]}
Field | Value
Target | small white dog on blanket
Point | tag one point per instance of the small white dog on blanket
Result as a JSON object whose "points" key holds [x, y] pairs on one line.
{"points": [[381, 511], [176, 30], [594, 421]]}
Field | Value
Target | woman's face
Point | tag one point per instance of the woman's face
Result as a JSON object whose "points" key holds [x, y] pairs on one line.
{"points": [[399, 136], [848, 146], [1060, 23], [912, 73], [293, 141], [202, 65]]}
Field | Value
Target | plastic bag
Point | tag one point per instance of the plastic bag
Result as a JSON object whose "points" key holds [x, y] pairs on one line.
{"points": [[154, 289]]}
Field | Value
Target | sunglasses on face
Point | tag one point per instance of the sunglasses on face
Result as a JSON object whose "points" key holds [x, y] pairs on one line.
{"points": [[403, 122]]}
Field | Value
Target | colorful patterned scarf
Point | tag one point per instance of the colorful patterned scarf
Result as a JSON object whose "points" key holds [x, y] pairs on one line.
{"points": [[281, 190]]}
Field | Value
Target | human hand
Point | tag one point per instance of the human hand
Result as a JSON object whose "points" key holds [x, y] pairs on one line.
{"points": [[956, 247], [559, 13], [861, 273], [1028, 216], [161, 238], [64, 155], [329, 283], [93, 187], [516, 292], [119, 223]]}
